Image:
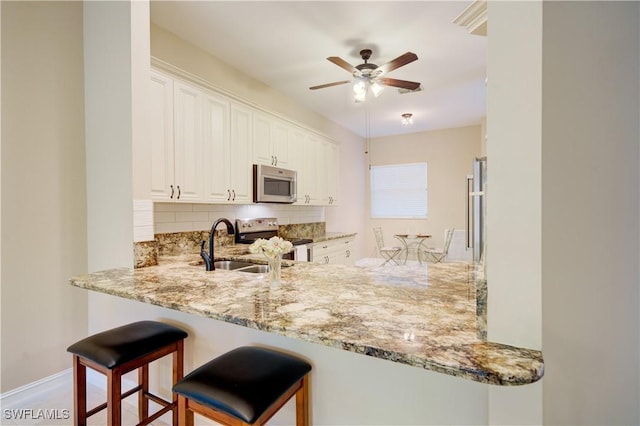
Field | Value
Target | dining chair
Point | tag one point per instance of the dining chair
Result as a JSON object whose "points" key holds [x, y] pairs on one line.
{"points": [[437, 255], [388, 253]]}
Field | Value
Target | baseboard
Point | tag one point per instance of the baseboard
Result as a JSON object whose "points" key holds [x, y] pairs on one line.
{"points": [[46, 385]]}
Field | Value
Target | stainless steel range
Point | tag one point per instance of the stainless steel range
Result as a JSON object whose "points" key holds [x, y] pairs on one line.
{"points": [[249, 230]]}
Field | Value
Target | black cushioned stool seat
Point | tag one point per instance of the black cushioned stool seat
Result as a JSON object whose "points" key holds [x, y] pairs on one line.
{"points": [[116, 352], [247, 385]]}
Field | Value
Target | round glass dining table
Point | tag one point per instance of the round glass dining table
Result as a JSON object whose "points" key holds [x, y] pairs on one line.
{"points": [[412, 244]]}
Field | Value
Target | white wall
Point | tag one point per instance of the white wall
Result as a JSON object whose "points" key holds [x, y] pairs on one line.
{"points": [[43, 188], [513, 192], [590, 196], [449, 155], [562, 265]]}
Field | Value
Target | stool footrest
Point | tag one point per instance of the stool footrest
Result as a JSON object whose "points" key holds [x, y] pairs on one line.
{"points": [[148, 395], [158, 414]]}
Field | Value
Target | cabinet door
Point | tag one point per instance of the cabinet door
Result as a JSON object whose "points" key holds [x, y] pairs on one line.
{"points": [[161, 111], [333, 164], [262, 149], [318, 190], [216, 143], [282, 144], [240, 149], [322, 252], [187, 142], [337, 252], [312, 163]]}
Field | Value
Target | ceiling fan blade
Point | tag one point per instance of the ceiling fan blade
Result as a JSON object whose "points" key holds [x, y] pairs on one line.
{"points": [[322, 86], [403, 84], [345, 65], [398, 62]]}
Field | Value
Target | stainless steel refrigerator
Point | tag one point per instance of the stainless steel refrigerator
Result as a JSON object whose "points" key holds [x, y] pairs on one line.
{"points": [[476, 209]]}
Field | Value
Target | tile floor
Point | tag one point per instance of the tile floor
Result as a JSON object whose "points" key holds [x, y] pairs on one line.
{"points": [[56, 402]]}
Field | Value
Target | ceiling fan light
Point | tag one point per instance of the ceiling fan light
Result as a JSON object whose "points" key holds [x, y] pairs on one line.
{"points": [[359, 88], [360, 96], [376, 89]]}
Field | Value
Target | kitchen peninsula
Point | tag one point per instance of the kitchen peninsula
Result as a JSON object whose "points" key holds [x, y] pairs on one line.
{"points": [[424, 316]]}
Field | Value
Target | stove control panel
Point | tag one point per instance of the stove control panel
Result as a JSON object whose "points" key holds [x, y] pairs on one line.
{"points": [[244, 226]]}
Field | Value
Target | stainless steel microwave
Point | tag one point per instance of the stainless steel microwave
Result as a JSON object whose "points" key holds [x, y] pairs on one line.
{"points": [[274, 185]]}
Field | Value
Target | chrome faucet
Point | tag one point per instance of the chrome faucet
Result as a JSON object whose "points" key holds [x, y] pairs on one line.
{"points": [[208, 258]]}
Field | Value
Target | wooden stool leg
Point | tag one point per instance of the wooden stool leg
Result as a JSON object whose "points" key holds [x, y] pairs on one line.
{"points": [[178, 373], [185, 416], [114, 390], [79, 392], [302, 403], [143, 401]]}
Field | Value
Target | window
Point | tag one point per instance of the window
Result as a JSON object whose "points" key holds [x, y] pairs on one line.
{"points": [[399, 191]]}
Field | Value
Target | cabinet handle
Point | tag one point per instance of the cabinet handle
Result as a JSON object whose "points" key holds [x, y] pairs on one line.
{"points": [[179, 192], [171, 197], [276, 157], [234, 195], [228, 195], [273, 162]]}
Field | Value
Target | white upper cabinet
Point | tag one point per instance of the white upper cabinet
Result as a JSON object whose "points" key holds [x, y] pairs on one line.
{"points": [[282, 140], [317, 165], [241, 177], [161, 111], [272, 141], [176, 148], [333, 172], [227, 141], [188, 142], [216, 141], [204, 144], [308, 171]]}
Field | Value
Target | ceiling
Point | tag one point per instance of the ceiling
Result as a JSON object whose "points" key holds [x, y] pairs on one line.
{"points": [[285, 45]]}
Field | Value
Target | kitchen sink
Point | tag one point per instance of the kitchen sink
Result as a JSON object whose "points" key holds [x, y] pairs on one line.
{"points": [[231, 265], [256, 269], [237, 265]]}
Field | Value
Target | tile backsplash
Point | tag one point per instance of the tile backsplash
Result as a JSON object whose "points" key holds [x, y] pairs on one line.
{"points": [[184, 217], [181, 227]]}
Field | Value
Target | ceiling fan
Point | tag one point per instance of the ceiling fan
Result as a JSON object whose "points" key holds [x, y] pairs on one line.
{"points": [[369, 75]]}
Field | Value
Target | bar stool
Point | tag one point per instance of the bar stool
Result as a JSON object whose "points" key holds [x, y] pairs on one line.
{"points": [[116, 352], [245, 386]]}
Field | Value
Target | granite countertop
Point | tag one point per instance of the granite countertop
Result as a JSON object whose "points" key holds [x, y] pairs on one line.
{"points": [[331, 236], [423, 315]]}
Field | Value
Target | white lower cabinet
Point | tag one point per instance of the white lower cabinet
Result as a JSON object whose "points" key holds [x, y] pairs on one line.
{"points": [[335, 252]]}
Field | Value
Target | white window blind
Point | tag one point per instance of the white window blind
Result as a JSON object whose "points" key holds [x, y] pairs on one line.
{"points": [[399, 191]]}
